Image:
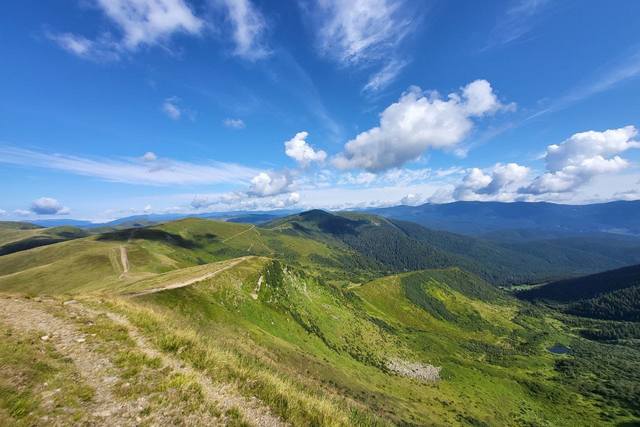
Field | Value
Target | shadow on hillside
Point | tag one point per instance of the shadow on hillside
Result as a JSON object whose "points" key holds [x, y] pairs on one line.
{"points": [[149, 234]]}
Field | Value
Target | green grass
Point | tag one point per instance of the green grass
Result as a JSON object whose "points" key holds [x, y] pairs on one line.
{"points": [[298, 326], [316, 354], [31, 369]]}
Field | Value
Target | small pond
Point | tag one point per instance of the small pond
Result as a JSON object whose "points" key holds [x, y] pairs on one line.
{"points": [[558, 348]]}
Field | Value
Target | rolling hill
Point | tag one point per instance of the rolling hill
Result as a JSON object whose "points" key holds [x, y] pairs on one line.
{"points": [[610, 295], [17, 236], [297, 322]]}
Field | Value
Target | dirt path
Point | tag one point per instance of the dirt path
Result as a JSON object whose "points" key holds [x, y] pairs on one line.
{"points": [[124, 259], [237, 234], [191, 281], [252, 410], [95, 369], [98, 372]]}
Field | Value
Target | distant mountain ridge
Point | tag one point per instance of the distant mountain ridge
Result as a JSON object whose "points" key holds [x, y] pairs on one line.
{"points": [[477, 218], [610, 295]]}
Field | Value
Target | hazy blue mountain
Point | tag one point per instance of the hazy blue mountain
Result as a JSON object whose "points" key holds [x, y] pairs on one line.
{"points": [[478, 218]]}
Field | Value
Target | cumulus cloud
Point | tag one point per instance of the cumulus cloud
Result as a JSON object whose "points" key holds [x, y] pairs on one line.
{"points": [[249, 27], [149, 156], [269, 184], [575, 161], [48, 206], [416, 122], [171, 108], [298, 149], [234, 123], [500, 182], [2, 212]]}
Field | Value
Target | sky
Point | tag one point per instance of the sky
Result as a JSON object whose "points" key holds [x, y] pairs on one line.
{"points": [[110, 108]]}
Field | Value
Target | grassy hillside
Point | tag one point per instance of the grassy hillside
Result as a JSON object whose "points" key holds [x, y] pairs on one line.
{"points": [[610, 295], [17, 236], [266, 313], [586, 287], [389, 246]]}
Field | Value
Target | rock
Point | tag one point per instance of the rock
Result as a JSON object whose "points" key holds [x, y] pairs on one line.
{"points": [[45, 338], [80, 340]]}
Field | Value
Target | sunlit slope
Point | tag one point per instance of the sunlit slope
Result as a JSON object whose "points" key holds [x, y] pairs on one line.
{"points": [[316, 353], [19, 236], [117, 259], [12, 230]]}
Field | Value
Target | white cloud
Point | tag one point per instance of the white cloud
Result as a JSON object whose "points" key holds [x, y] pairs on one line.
{"points": [[501, 182], [248, 29], [362, 178], [298, 149], [48, 206], [417, 122], [76, 44], [518, 20], [385, 76], [269, 184], [132, 171], [2, 212], [171, 109], [141, 22], [360, 30], [148, 22], [612, 74], [244, 201], [22, 212], [149, 156], [234, 123], [583, 156], [411, 199]]}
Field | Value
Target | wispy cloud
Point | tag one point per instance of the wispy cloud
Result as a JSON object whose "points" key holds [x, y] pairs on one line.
{"points": [[140, 22], [171, 109], [516, 22], [234, 123], [146, 170], [385, 76], [615, 73], [249, 28], [364, 33]]}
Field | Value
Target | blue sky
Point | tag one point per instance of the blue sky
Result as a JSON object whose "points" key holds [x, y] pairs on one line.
{"points": [[119, 107]]}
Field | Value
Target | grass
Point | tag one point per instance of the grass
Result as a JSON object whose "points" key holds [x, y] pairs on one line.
{"points": [[315, 354], [316, 351], [37, 384]]}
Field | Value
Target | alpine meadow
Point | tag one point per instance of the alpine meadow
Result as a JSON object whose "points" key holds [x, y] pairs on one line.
{"points": [[320, 213]]}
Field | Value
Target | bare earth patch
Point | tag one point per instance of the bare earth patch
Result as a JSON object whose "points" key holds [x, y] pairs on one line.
{"points": [[420, 371]]}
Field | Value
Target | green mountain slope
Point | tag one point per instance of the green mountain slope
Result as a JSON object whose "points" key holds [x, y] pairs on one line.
{"points": [[17, 236], [316, 354], [285, 315], [396, 246], [610, 295]]}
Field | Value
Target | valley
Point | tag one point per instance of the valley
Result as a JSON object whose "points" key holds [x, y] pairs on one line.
{"points": [[311, 319]]}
